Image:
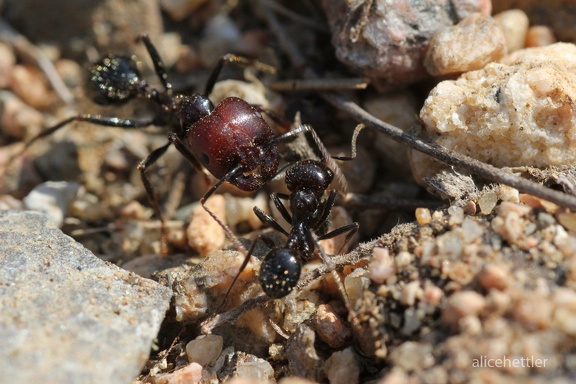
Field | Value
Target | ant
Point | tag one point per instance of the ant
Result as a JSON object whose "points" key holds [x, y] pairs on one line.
{"points": [[231, 140], [307, 181]]}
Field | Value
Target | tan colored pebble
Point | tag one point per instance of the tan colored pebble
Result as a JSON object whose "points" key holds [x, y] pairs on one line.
{"points": [[295, 380], [330, 328], [381, 266], [469, 45], [494, 276], [257, 322], [423, 216], [342, 367], [396, 376], [179, 10], [18, 119], [506, 193], [410, 292], [514, 24], [534, 312], [190, 374], [536, 202], [432, 294], [31, 86], [204, 349], [567, 219], [461, 305], [487, 202], [539, 36], [7, 62], [470, 208], [204, 233]]}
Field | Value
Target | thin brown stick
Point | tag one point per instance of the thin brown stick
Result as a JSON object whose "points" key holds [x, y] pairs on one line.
{"points": [[436, 151]]}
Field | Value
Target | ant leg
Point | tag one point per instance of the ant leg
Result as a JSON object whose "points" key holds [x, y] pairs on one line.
{"points": [[106, 121], [143, 167], [210, 192], [230, 58], [326, 208], [281, 208], [158, 63], [269, 221], [270, 245], [350, 228], [357, 130], [332, 269]]}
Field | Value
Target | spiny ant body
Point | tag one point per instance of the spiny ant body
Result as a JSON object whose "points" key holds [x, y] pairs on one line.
{"points": [[231, 140], [307, 181]]}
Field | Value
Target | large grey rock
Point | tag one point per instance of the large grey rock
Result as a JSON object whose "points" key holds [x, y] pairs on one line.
{"points": [[67, 316]]}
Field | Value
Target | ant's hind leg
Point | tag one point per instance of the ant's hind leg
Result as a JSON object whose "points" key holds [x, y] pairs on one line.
{"points": [[105, 121], [351, 229], [357, 130]]}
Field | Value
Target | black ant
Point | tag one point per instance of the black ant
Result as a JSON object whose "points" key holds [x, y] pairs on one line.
{"points": [[231, 140], [307, 180]]}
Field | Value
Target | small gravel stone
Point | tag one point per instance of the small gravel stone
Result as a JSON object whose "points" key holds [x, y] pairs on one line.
{"points": [[204, 233], [494, 277], [190, 374], [18, 120], [205, 349], [539, 36], [461, 305], [179, 10], [514, 24], [487, 202], [330, 327], [342, 367], [381, 266], [7, 62], [423, 216], [471, 44], [52, 198], [31, 86], [258, 370]]}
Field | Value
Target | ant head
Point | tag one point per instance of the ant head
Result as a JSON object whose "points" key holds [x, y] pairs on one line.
{"points": [[279, 273], [309, 174], [115, 80]]}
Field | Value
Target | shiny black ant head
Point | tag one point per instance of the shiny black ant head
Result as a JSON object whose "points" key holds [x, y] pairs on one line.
{"points": [[280, 272], [309, 174], [115, 80]]}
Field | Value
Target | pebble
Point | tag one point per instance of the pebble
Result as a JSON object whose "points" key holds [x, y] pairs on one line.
{"points": [[7, 62], [506, 193], [487, 201], [52, 198], [539, 36], [204, 233], [381, 266], [423, 216], [534, 312], [386, 40], [410, 292], [30, 85], [342, 367], [461, 305], [204, 349], [494, 276], [514, 24], [330, 328], [179, 10], [469, 45], [515, 113], [257, 370], [190, 374], [18, 120]]}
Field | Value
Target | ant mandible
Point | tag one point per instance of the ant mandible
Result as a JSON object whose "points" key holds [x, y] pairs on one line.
{"points": [[231, 140]]}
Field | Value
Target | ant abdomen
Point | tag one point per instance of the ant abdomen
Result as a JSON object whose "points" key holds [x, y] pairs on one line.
{"points": [[279, 272], [114, 80]]}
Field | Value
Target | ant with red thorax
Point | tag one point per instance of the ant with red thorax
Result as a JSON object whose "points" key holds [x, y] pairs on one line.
{"points": [[231, 140]]}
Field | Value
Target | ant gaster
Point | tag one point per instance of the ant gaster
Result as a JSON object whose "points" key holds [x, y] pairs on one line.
{"points": [[231, 140]]}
